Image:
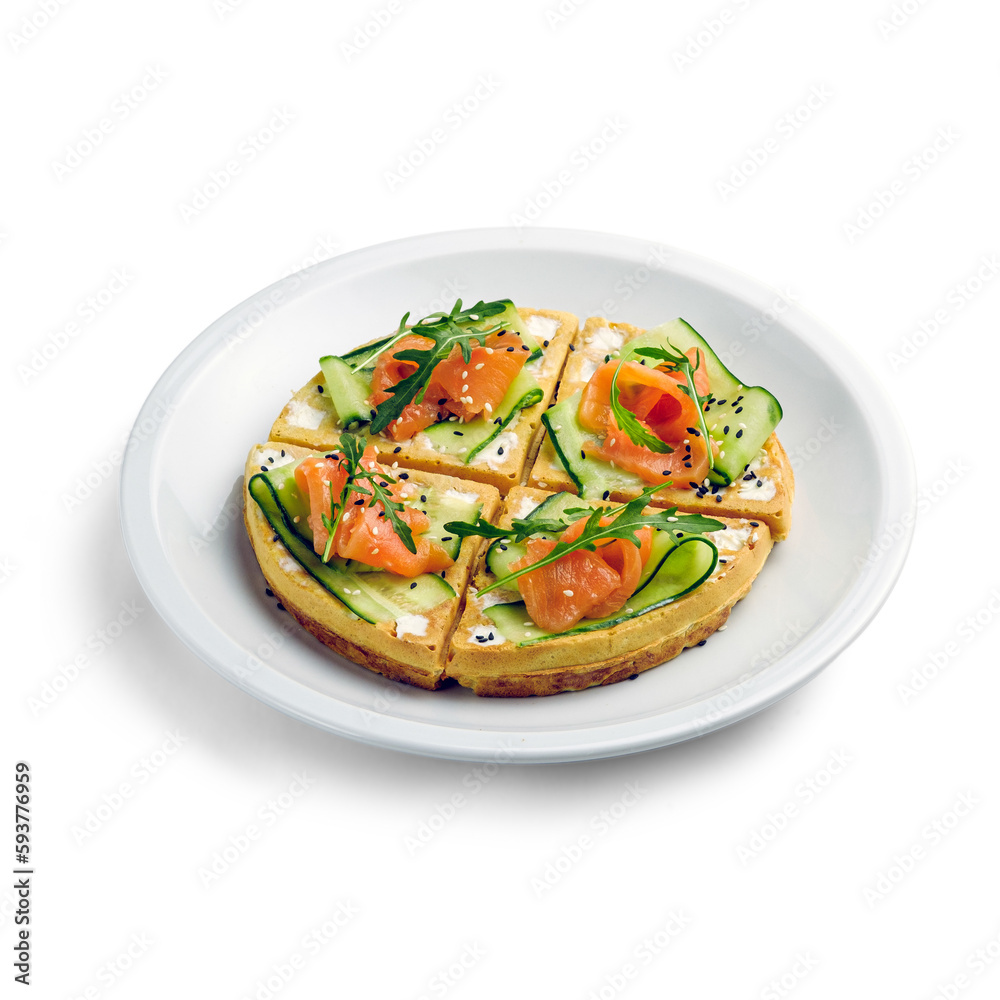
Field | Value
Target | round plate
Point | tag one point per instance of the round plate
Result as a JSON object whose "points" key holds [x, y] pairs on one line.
{"points": [[181, 492]]}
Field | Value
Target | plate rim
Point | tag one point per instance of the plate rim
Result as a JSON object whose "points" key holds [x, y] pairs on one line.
{"points": [[868, 593]]}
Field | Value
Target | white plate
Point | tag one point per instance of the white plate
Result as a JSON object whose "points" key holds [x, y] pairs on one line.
{"points": [[180, 492]]}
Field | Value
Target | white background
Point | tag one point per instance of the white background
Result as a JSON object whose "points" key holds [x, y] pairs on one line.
{"points": [[883, 879]]}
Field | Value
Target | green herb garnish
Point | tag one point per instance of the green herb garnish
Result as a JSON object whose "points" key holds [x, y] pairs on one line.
{"points": [[353, 448], [626, 521], [445, 330], [630, 423]]}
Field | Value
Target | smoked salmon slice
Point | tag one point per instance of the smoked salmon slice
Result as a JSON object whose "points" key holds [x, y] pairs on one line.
{"points": [[582, 584], [363, 533], [465, 389], [662, 407]]}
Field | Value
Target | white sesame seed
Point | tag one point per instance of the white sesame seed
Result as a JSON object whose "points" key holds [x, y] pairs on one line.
{"points": [[375, 551], [489, 350], [465, 388], [482, 364], [568, 593], [465, 374], [487, 407], [671, 518]]}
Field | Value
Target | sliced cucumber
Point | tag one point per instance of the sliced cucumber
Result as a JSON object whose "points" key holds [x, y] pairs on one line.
{"points": [[447, 505], [682, 568], [375, 597], [759, 410], [469, 438], [348, 391], [593, 477]]}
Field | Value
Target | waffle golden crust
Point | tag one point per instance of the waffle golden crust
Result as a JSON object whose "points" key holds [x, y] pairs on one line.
{"points": [[310, 420], [773, 471], [574, 662], [418, 660]]}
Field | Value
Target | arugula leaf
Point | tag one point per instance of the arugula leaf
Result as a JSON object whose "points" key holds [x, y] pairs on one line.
{"points": [[625, 522], [629, 423], [353, 449], [681, 363], [517, 532], [445, 330]]}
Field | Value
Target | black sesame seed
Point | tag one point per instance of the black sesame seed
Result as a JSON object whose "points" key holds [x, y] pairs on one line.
{"points": [[632, 677], [510, 350], [359, 503], [687, 465], [263, 468], [372, 412], [739, 433], [447, 538], [282, 452], [269, 592], [281, 606], [748, 477], [703, 641], [725, 430], [691, 430], [524, 347], [319, 388], [583, 454], [607, 493], [692, 484], [458, 433], [396, 450], [718, 498], [607, 358], [754, 524], [274, 538], [442, 574], [723, 561], [270, 460], [760, 482], [412, 585], [423, 498], [545, 343], [502, 333], [722, 402], [572, 347], [739, 409], [503, 548], [490, 636], [441, 402], [404, 475], [500, 450]]}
